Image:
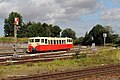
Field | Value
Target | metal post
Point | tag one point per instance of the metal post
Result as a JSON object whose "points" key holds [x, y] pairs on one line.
{"points": [[104, 37], [15, 37], [15, 40], [60, 33], [16, 22], [104, 41]]}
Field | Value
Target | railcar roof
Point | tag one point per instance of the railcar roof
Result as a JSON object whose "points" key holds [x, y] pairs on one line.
{"points": [[48, 37]]}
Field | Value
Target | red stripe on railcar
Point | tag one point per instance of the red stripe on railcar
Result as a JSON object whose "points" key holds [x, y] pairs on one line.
{"points": [[30, 48], [53, 47]]}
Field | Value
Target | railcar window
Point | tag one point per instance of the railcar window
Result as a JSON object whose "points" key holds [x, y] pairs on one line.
{"points": [[42, 40], [64, 41], [31, 40], [51, 42], [37, 40], [69, 40], [48, 41], [59, 41], [54, 41], [45, 41]]}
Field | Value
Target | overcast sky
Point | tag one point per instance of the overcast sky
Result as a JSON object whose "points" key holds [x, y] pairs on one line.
{"points": [[79, 15]]}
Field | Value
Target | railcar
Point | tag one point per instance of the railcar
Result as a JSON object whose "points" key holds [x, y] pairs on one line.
{"points": [[37, 44]]}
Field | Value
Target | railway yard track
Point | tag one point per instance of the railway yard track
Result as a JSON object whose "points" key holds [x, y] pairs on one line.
{"points": [[24, 57], [74, 75]]}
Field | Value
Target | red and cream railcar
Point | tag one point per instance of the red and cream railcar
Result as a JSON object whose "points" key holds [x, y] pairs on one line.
{"points": [[37, 44]]}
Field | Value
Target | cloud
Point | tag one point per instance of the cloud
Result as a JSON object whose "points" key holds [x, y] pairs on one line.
{"points": [[100, 5], [111, 14], [76, 8], [30, 9], [48, 10]]}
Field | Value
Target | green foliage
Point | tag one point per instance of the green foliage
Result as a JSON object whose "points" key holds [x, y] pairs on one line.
{"points": [[78, 41], [87, 40], [21, 33], [117, 41], [68, 33], [97, 34], [31, 29], [42, 30], [55, 32]]}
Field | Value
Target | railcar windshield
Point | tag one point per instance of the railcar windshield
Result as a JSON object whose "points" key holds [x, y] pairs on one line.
{"points": [[31, 40], [69, 40], [37, 40]]}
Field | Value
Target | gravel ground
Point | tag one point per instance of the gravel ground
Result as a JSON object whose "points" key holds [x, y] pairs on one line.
{"points": [[4, 46]]}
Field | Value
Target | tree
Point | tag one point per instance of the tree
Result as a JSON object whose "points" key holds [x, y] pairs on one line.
{"points": [[111, 36], [68, 33], [46, 32], [87, 40], [22, 31], [9, 24], [34, 29], [78, 41], [55, 31], [42, 30], [97, 34]]}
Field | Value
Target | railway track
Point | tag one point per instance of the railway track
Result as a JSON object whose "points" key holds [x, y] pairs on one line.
{"points": [[77, 74], [23, 58]]}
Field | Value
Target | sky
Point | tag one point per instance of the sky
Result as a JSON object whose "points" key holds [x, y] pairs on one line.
{"points": [[79, 15]]}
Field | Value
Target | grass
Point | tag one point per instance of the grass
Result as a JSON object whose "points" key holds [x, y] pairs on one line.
{"points": [[103, 57], [11, 39]]}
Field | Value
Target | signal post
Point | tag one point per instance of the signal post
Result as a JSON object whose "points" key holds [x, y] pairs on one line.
{"points": [[16, 22]]}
